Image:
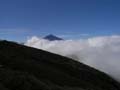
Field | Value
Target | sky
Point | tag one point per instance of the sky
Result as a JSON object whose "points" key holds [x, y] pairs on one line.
{"points": [[70, 19]]}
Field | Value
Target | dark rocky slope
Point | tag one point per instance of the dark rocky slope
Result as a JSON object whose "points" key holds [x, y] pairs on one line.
{"points": [[26, 68]]}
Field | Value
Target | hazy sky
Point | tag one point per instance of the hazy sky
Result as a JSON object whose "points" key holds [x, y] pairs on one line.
{"points": [[20, 19]]}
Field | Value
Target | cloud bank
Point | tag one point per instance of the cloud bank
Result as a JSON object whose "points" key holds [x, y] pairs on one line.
{"points": [[102, 53]]}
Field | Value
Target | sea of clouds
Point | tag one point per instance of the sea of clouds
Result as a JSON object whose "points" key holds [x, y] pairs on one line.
{"points": [[101, 52]]}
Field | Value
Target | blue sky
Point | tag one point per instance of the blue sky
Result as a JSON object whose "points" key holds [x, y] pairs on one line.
{"points": [[20, 19]]}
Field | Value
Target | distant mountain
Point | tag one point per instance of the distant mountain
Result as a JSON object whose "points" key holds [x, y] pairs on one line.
{"points": [[26, 68], [51, 37]]}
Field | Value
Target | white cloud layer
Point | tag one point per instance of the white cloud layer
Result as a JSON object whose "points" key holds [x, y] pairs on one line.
{"points": [[103, 52]]}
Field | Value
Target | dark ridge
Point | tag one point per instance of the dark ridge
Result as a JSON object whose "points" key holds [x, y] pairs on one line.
{"points": [[51, 37], [26, 68]]}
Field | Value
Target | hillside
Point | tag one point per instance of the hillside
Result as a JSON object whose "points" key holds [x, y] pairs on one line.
{"points": [[26, 68]]}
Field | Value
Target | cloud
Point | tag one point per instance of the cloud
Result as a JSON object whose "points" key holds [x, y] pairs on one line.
{"points": [[103, 52], [70, 35], [13, 31]]}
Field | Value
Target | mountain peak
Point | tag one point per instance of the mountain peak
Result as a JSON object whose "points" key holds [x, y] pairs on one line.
{"points": [[52, 37]]}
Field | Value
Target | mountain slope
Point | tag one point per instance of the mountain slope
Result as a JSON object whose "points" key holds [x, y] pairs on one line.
{"points": [[26, 68]]}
